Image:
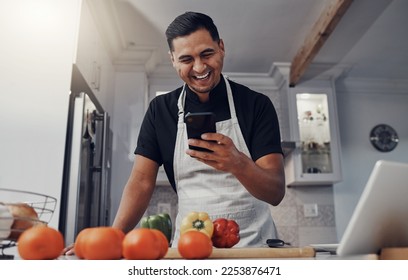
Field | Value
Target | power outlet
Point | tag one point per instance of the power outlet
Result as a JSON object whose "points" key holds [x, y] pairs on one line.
{"points": [[164, 208], [310, 210]]}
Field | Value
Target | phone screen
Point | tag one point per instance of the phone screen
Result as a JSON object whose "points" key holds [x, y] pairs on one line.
{"points": [[199, 123]]}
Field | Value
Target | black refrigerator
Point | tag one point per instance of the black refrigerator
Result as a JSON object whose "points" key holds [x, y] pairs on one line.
{"points": [[85, 199]]}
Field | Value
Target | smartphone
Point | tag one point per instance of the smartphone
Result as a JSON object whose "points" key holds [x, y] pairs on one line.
{"points": [[197, 124]]}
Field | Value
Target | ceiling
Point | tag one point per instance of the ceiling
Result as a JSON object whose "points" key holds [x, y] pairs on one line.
{"points": [[369, 42]]}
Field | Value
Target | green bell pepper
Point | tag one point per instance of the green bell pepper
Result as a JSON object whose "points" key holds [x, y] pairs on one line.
{"points": [[161, 222]]}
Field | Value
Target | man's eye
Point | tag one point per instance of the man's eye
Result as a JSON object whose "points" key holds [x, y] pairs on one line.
{"points": [[207, 55], [185, 60]]}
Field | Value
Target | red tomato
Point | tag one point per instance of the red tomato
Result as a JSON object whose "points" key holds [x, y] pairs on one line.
{"points": [[80, 242], [164, 243], [99, 243], [40, 243], [194, 245], [141, 244]]}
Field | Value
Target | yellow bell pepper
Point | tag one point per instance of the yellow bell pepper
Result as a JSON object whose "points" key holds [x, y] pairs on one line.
{"points": [[199, 221]]}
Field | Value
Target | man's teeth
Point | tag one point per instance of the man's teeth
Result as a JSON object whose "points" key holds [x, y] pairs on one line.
{"points": [[203, 76]]}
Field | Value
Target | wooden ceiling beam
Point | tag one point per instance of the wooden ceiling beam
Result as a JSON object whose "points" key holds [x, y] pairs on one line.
{"points": [[314, 41]]}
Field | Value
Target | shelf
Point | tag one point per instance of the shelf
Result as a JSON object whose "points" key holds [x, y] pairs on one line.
{"points": [[314, 126]]}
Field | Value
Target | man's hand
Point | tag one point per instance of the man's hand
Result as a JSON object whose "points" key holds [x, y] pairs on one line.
{"points": [[69, 250], [224, 156], [264, 178]]}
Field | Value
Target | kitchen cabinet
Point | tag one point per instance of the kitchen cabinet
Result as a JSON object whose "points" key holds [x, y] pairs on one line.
{"points": [[314, 128], [92, 58]]}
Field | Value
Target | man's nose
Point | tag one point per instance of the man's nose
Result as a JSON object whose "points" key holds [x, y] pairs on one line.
{"points": [[199, 66]]}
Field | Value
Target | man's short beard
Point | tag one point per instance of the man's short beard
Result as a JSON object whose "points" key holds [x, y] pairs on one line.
{"points": [[207, 90]]}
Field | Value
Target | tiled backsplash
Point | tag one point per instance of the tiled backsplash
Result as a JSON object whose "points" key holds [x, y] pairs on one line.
{"points": [[163, 194], [289, 218], [294, 227]]}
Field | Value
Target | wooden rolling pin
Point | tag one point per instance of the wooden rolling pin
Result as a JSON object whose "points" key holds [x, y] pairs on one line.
{"points": [[248, 253]]}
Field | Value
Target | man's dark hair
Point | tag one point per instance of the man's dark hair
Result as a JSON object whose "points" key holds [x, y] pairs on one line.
{"points": [[188, 23]]}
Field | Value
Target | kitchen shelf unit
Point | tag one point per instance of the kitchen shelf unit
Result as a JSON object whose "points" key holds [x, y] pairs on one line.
{"points": [[316, 160]]}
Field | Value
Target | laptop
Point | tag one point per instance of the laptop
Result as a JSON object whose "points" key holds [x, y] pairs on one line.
{"points": [[380, 219]]}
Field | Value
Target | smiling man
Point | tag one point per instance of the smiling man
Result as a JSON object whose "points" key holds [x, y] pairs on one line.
{"points": [[241, 174]]}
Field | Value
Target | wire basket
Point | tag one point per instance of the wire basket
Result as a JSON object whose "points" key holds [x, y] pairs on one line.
{"points": [[43, 205]]}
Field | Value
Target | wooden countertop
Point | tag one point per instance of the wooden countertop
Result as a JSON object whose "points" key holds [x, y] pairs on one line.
{"points": [[248, 253]]}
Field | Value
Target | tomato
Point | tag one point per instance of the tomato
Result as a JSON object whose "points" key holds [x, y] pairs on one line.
{"points": [[195, 245], [40, 243], [80, 242], [141, 244], [99, 243], [119, 233], [164, 247]]}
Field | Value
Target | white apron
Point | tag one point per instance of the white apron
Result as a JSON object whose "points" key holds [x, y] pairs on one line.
{"points": [[202, 188]]}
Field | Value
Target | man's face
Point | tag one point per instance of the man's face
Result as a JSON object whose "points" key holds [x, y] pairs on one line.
{"points": [[198, 60]]}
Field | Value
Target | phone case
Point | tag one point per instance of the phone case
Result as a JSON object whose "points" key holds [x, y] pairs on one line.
{"points": [[199, 123]]}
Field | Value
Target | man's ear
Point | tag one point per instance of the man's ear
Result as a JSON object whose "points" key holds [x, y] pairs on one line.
{"points": [[221, 45], [171, 58]]}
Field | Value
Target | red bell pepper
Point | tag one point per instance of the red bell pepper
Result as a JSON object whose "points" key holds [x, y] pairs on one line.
{"points": [[226, 233]]}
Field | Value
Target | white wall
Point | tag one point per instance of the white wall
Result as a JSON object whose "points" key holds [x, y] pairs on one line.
{"points": [[37, 48], [361, 106]]}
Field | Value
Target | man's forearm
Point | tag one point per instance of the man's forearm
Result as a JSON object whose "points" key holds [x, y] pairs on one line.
{"points": [[265, 179], [134, 203], [136, 194]]}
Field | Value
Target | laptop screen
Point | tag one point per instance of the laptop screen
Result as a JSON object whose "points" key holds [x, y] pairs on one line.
{"points": [[380, 219]]}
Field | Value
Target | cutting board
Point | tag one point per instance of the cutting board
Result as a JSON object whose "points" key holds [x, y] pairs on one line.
{"points": [[248, 253], [394, 254]]}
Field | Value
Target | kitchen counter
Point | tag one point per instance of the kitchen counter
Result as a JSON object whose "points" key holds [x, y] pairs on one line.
{"points": [[306, 253], [249, 253]]}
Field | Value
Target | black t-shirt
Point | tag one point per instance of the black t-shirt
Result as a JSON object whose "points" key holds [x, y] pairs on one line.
{"points": [[255, 112]]}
